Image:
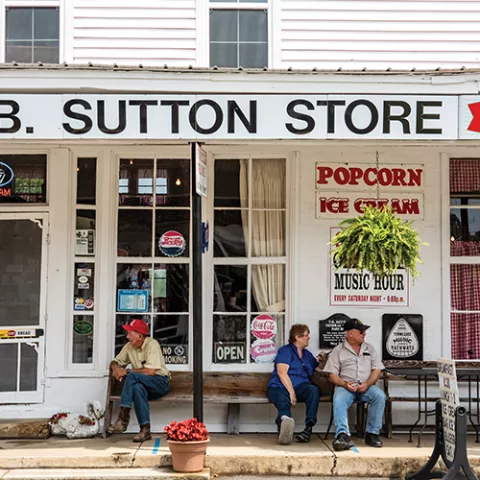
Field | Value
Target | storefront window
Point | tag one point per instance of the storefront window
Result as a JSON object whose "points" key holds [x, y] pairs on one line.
{"points": [[83, 300], [465, 257], [23, 178], [249, 285], [155, 288]]}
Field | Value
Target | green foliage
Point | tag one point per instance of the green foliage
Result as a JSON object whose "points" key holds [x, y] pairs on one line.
{"points": [[379, 242]]}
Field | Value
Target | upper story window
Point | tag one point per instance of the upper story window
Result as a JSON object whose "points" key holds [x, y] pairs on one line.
{"points": [[32, 34], [239, 33]]}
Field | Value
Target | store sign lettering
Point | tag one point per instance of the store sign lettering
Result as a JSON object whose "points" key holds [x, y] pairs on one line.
{"points": [[201, 116]]}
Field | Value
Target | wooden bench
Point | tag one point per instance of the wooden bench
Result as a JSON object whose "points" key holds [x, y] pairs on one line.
{"points": [[231, 389]]}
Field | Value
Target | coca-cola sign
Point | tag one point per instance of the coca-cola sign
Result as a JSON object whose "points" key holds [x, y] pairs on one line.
{"points": [[263, 327]]}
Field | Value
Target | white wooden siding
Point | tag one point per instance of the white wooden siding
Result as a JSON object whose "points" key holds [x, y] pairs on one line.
{"points": [[150, 32], [378, 34]]}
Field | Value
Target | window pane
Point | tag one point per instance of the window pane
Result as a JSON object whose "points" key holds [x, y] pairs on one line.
{"points": [[86, 180], [134, 233], [269, 185], [23, 178], [45, 24], [223, 25], [464, 232], [464, 287], [252, 26], [121, 334], [173, 183], [135, 184], [253, 55], [9, 363], [268, 234], [266, 337], [458, 201], [465, 328], [82, 351], [170, 288], [230, 288], [268, 288], [224, 55], [83, 286], [229, 339], [134, 288], [28, 366], [171, 331], [46, 51], [85, 232], [227, 183], [19, 51], [19, 23], [465, 175], [229, 231], [172, 233]]}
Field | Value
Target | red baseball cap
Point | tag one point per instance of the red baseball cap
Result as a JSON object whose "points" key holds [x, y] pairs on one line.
{"points": [[138, 326]]}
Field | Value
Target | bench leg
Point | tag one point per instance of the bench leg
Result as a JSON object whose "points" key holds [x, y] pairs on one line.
{"points": [[233, 418], [107, 419], [388, 427], [329, 423]]}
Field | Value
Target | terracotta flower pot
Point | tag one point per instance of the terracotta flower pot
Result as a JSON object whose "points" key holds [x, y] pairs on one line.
{"points": [[188, 456]]}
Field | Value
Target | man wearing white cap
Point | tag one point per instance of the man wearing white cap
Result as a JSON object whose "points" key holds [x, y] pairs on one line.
{"points": [[149, 378]]}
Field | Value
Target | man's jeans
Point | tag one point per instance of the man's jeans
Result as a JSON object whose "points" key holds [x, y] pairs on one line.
{"points": [[139, 389], [343, 399], [305, 392]]}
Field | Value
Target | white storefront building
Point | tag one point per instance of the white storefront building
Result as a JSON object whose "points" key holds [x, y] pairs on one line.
{"points": [[95, 204]]}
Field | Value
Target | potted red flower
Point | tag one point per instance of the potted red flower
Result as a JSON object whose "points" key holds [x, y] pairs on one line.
{"points": [[187, 442]]}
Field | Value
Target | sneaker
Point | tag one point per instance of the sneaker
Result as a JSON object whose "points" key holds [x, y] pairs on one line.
{"points": [[342, 442], [304, 435], [287, 428], [373, 440]]}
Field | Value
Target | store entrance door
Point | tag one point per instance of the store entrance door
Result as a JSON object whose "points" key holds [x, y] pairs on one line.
{"points": [[23, 255]]}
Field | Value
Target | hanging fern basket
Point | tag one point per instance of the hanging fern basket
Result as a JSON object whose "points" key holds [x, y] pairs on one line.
{"points": [[379, 242]]}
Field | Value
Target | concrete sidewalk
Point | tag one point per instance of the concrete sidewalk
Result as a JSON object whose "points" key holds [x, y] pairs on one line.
{"points": [[246, 454]]}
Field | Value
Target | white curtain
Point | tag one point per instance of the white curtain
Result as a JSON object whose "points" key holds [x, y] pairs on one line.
{"points": [[268, 228]]}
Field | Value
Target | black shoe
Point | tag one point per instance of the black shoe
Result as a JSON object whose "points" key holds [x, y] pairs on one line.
{"points": [[304, 435], [373, 440], [342, 442]]}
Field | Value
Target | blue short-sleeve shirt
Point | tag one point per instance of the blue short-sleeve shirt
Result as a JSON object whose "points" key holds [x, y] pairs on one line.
{"points": [[300, 369]]}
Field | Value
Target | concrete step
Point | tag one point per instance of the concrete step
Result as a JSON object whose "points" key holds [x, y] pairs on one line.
{"points": [[101, 474], [25, 428]]}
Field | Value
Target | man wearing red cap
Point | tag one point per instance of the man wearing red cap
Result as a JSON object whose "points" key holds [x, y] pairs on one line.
{"points": [[149, 378]]}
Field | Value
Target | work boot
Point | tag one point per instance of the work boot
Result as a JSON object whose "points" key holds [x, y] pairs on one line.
{"points": [[122, 421], [373, 440], [342, 442], [287, 426], [144, 434], [304, 435]]}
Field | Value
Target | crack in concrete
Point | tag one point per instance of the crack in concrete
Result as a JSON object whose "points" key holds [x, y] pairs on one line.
{"points": [[4, 473], [135, 453], [334, 457]]}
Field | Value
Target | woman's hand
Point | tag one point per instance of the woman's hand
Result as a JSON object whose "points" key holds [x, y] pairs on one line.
{"points": [[293, 399]]}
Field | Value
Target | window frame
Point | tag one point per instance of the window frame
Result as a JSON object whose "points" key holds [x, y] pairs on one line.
{"points": [[266, 6], [61, 5]]}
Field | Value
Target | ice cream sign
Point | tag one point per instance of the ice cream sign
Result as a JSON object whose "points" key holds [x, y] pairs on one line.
{"points": [[264, 329]]}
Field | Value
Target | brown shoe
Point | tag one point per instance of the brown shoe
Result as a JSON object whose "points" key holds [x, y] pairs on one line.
{"points": [[122, 421], [144, 434]]}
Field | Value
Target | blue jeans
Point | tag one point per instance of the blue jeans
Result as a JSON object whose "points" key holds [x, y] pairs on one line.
{"points": [[139, 389], [343, 399], [305, 392]]}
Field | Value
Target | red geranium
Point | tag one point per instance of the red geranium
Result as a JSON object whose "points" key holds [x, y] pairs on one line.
{"points": [[186, 431], [54, 419]]}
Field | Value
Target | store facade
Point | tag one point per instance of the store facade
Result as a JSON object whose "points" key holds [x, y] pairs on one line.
{"points": [[96, 219]]}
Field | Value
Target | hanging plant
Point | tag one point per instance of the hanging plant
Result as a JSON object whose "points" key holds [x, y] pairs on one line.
{"points": [[379, 242]]}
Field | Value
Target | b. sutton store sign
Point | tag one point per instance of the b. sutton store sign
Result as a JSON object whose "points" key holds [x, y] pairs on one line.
{"points": [[365, 289]]}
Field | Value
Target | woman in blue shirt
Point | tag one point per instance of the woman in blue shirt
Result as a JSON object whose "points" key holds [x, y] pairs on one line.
{"points": [[291, 383]]}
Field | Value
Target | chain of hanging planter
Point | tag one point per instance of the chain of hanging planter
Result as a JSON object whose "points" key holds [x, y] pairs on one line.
{"points": [[377, 241]]}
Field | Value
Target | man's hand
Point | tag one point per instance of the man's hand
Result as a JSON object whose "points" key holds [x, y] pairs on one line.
{"points": [[363, 387], [293, 399], [351, 386], [119, 373]]}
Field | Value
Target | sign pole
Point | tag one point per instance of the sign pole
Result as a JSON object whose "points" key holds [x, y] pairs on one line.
{"points": [[197, 307]]}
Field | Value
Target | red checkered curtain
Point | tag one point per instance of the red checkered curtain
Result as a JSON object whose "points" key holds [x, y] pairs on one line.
{"points": [[465, 331], [465, 175]]}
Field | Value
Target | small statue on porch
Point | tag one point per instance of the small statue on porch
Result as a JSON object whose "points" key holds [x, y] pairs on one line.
{"points": [[75, 425]]}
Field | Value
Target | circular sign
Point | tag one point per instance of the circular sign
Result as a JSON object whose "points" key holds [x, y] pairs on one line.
{"points": [[263, 327], [82, 279], [263, 351], [83, 328], [11, 333], [179, 350], [172, 243], [6, 174], [89, 303]]}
